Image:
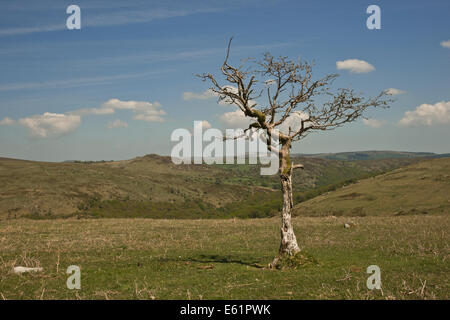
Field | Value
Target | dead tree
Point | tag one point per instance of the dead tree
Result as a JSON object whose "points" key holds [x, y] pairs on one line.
{"points": [[289, 91]]}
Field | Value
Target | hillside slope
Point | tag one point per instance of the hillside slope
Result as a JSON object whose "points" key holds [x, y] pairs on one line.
{"points": [[420, 188], [152, 186], [375, 155], [43, 188]]}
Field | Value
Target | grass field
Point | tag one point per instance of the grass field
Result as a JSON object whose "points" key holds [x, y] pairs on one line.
{"points": [[225, 259], [398, 220]]}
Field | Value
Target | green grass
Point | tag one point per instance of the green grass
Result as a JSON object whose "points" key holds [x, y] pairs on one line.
{"points": [[225, 259], [399, 221]]}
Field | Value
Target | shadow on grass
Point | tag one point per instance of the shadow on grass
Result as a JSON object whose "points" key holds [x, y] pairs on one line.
{"points": [[224, 259], [219, 259]]}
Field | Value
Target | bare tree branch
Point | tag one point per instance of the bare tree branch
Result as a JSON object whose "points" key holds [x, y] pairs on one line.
{"points": [[290, 90]]}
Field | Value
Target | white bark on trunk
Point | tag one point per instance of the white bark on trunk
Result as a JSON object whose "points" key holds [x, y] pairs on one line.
{"points": [[288, 240]]}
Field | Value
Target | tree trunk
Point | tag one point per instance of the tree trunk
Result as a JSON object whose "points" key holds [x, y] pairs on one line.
{"points": [[288, 244], [288, 240]]}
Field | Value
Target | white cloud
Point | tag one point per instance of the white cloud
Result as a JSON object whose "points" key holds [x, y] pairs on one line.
{"points": [[208, 94], [93, 111], [7, 122], [204, 124], [55, 124], [149, 117], [355, 66], [293, 121], [117, 124], [427, 115], [227, 101], [235, 119], [373, 123], [394, 91], [144, 110], [50, 124], [445, 44]]}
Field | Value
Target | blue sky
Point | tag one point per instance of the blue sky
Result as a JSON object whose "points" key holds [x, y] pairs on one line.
{"points": [[117, 88]]}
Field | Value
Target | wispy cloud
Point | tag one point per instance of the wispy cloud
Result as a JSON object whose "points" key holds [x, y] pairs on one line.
{"points": [[374, 123], [207, 94], [28, 30], [7, 122], [117, 124], [144, 110], [394, 91], [111, 18], [183, 55], [141, 16], [67, 83], [445, 44]]}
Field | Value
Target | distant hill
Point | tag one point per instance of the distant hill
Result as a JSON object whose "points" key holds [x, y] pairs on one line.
{"points": [[48, 189], [152, 186], [374, 155], [420, 188]]}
